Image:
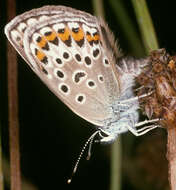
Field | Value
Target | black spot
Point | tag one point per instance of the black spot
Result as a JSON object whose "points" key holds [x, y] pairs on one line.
{"points": [[75, 30], [88, 33], [39, 39], [78, 57], [65, 55], [91, 42], [45, 60], [96, 52], [59, 61], [106, 62], [68, 42], [36, 51], [78, 76], [64, 88], [95, 33], [46, 47], [45, 71], [55, 41], [24, 29], [80, 98], [96, 41], [48, 33], [18, 38], [87, 60], [61, 31], [91, 83], [80, 42], [60, 74], [101, 78]]}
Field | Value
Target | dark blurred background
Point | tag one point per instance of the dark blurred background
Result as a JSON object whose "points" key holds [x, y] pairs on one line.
{"points": [[51, 136]]}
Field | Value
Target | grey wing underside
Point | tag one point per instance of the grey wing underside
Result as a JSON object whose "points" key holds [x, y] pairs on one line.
{"points": [[98, 106]]}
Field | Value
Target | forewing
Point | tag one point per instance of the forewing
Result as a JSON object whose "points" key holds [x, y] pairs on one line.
{"points": [[67, 51]]}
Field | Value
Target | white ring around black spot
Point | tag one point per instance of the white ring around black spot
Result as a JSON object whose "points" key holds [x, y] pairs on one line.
{"points": [[64, 88], [66, 56], [60, 74], [80, 98], [106, 62], [100, 78], [96, 53], [58, 61], [79, 76], [91, 84], [88, 61], [78, 58]]}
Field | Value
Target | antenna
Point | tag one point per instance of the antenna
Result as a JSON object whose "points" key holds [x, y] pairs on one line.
{"points": [[90, 140], [90, 148]]}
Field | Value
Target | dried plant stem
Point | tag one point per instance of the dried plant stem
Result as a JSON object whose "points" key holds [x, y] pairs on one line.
{"points": [[13, 120], [26, 185], [1, 170], [171, 156], [150, 41], [13, 108]]}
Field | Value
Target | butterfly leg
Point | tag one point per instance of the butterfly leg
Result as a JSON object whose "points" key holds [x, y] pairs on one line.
{"points": [[146, 122], [107, 138], [133, 99], [142, 131]]}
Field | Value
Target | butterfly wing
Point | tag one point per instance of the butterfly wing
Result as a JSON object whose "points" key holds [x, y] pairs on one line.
{"points": [[69, 50]]}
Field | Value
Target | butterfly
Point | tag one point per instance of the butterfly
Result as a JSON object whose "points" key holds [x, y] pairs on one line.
{"points": [[76, 56]]}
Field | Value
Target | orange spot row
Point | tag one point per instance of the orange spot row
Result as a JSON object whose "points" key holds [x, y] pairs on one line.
{"points": [[77, 36]]}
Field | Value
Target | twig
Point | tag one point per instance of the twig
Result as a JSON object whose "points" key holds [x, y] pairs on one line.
{"points": [[26, 185], [13, 108], [1, 170], [171, 156]]}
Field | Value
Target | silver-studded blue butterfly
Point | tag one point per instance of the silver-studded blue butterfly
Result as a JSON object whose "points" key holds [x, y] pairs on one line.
{"points": [[75, 55]]}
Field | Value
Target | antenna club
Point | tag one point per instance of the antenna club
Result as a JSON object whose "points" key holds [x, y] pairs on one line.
{"points": [[69, 181]]}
